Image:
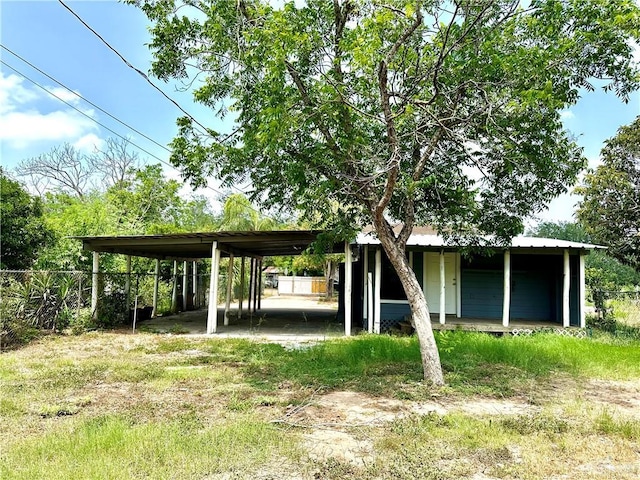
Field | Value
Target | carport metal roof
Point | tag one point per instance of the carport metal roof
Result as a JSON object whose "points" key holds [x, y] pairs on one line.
{"points": [[190, 246]]}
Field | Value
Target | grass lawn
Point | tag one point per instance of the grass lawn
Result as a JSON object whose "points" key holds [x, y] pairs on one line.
{"points": [[106, 405]]}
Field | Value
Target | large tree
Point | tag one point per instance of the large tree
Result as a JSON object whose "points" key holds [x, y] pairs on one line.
{"points": [[438, 111], [22, 229], [610, 208]]}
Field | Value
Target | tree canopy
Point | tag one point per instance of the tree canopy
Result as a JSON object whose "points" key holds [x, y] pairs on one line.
{"points": [[610, 209], [22, 229], [361, 112]]}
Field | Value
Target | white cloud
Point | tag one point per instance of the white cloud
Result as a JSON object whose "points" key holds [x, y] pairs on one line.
{"points": [[89, 143], [566, 115], [66, 95], [20, 128], [12, 93], [23, 121]]}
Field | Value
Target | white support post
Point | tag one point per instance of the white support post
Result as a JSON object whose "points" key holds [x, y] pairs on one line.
{"points": [[506, 299], [194, 280], [348, 280], [185, 284], [566, 286], [250, 292], [458, 285], [376, 292], [95, 280], [583, 318], [227, 303], [156, 282], [424, 274], [174, 292], [443, 293], [212, 312], [259, 273], [369, 291], [365, 293], [127, 281], [240, 300]]}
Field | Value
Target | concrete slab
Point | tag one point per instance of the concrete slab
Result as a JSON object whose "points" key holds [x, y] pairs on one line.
{"points": [[281, 318]]}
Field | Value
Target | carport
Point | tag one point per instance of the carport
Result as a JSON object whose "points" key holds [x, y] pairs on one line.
{"points": [[190, 247]]}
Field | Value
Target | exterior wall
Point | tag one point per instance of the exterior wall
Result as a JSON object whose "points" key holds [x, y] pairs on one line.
{"points": [[301, 285], [392, 313], [536, 287]]}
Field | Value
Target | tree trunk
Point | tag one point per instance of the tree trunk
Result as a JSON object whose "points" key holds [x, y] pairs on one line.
{"points": [[419, 308]]}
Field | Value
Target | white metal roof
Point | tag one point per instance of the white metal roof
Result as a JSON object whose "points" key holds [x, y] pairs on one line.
{"points": [[422, 240]]}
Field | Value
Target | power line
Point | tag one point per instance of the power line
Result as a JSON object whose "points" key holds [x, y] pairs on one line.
{"points": [[137, 70], [144, 75], [84, 113], [164, 162], [81, 97]]}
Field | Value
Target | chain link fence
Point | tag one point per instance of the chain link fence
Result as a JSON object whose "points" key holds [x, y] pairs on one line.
{"points": [[36, 301]]}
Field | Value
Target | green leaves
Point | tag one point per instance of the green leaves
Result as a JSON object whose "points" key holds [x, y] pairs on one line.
{"points": [[474, 94], [610, 209], [22, 229]]}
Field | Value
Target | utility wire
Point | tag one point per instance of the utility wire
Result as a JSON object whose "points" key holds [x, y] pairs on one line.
{"points": [[140, 72], [164, 162], [144, 75], [82, 98]]}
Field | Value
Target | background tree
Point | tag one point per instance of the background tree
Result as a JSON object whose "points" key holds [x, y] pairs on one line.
{"points": [[602, 270], [63, 169], [610, 209], [22, 229], [66, 169], [434, 112]]}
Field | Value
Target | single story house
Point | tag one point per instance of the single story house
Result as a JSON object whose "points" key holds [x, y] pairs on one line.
{"points": [[536, 281]]}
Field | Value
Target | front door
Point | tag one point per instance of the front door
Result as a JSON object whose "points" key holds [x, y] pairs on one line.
{"points": [[432, 281]]}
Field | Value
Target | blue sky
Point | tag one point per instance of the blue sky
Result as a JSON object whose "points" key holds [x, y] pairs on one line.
{"points": [[47, 35]]}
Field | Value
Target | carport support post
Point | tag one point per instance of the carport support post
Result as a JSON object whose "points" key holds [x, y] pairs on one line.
{"points": [[376, 293], [259, 292], [127, 281], [583, 321], [566, 285], [250, 296], [196, 302], [174, 292], [365, 294], [506, 300], [348, 280], [156, 281], [443, 303], [185, 284], [94, 285], [212, 312], [227, 303], [240, 300]]}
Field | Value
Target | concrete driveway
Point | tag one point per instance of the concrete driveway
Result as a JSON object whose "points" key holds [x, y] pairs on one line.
{"points": [[280, 318]]}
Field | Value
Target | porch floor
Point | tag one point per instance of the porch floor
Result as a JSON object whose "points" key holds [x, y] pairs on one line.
{"points": [[488, 325]]}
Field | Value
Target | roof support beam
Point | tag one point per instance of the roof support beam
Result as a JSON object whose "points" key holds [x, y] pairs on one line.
{"points": [[348, 279], [227, 303], [95, 280], [566, 287], [212, 313], [506, 300], [583, 321]]}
